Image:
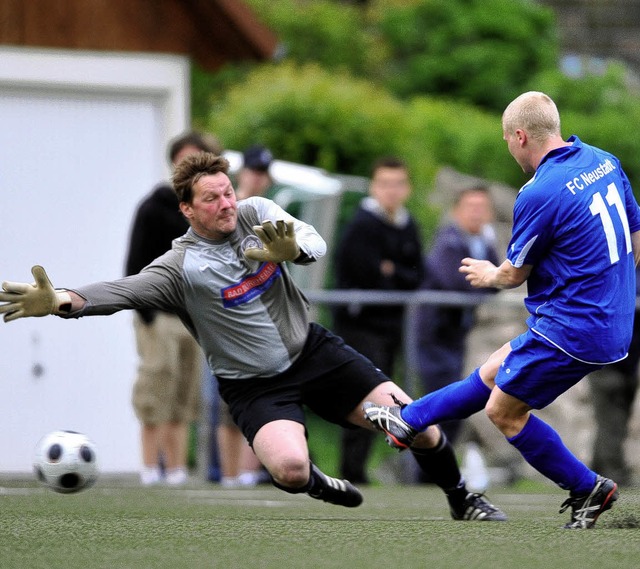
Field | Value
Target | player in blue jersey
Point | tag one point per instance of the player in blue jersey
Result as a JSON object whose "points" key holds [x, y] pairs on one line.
{"points": [[575, 241]]}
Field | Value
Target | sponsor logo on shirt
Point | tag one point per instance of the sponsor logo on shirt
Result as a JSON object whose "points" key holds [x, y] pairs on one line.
{"points": [[251, 286]]}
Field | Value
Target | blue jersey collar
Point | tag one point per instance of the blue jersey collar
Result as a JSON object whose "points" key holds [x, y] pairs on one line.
{"points": [[563, 151]]}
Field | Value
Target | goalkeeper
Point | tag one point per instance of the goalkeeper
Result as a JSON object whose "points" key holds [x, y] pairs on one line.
{"points": [[227, 280]]}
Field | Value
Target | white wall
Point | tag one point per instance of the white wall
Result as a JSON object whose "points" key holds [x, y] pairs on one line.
{"points": [[83, 138]]}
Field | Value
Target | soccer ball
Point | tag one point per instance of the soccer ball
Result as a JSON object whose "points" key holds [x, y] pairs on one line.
{"points": [[65, 461]]}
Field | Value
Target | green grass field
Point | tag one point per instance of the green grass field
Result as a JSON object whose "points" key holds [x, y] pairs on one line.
{"points": [[119, 525]]}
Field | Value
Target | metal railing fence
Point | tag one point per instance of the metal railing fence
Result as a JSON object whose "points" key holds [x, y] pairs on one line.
{"points": [[412, 300]]}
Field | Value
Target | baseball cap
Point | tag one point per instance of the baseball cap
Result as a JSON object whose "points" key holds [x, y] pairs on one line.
{"points": [[257, 157]]}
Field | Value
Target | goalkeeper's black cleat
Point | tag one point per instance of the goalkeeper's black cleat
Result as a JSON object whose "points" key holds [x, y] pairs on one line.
{"points": [[586, 509], [475, 507], [399, 434], [334, 490]]}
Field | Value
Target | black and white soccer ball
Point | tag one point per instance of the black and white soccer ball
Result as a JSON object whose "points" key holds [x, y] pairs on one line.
{"points": [[66, 462]]}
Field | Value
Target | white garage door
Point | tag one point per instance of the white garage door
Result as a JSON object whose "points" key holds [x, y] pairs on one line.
{"points": [[74, 163]]}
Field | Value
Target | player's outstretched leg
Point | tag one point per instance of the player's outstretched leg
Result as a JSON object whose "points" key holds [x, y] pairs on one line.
{"points": [[401, 423], [328, 489], [399, 434], [586, 509]]}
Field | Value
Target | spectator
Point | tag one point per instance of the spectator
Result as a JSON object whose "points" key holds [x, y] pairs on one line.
{"points": [[166, 391], [442, 330], [613, 390], [380, 249], [254, 178]]}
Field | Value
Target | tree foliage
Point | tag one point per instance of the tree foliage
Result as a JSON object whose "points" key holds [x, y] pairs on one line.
{"points": [[424, 79], [332, 34], [465, 138], [478, 51], [307, 115]]}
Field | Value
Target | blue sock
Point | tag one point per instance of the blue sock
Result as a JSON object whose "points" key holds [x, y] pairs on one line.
{"points": [[457, 400], [543, 449]]}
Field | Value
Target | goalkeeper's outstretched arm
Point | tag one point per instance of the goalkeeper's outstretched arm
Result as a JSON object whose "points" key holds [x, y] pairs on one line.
{"points": [[21, 300]]}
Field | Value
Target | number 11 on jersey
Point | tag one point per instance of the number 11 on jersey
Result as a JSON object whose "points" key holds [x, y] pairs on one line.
{"points": [[598, 207]]}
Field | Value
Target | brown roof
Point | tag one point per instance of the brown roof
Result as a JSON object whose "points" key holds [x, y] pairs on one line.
{"points": [[212, 32]]}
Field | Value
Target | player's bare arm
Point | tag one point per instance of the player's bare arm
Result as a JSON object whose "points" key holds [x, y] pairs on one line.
{"points": [[484, 274], [77, 301]]}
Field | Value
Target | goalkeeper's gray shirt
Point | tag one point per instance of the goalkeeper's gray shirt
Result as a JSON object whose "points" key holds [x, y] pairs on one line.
{"points": [[249, 317]]}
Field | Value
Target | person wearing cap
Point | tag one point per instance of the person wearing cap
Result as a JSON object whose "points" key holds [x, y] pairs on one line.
{"points": [[254, 178]]}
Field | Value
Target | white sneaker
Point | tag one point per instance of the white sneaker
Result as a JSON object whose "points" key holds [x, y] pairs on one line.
{"points": [[247, 479], [229, 482], [150, 475], [176, 476]]}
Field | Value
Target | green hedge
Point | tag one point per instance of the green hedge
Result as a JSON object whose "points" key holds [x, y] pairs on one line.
{"points": [[330, 102], [463, 137], [307, 115], [479, 51], [332, 34]]}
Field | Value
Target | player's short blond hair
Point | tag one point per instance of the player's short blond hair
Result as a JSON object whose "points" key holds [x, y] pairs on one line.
{"points": [[535, 113]]}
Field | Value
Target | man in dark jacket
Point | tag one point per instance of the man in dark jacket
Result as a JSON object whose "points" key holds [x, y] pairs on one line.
{"points": [[380, 249]]}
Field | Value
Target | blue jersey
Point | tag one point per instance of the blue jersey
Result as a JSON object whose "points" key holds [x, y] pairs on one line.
{"points": [[573, 222]]}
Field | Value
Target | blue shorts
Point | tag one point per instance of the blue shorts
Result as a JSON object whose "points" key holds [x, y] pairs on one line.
{"points": [[537, 372]]}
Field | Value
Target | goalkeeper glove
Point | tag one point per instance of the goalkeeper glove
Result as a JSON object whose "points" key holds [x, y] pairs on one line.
{"points": [[279, 242], [37, 299]]}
